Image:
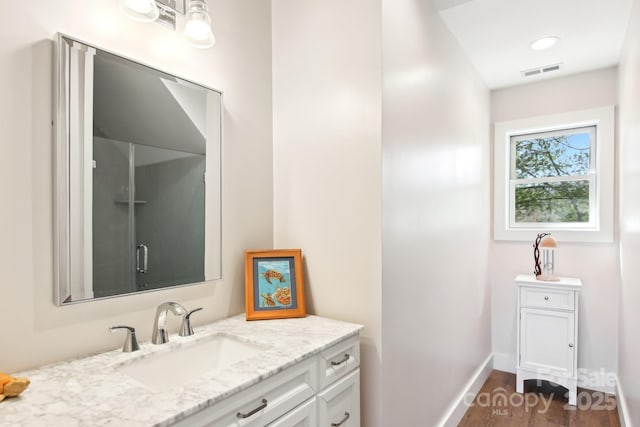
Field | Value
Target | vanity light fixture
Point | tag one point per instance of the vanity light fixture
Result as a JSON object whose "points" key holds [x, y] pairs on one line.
{"points": [[197, 27], [544, 43]]}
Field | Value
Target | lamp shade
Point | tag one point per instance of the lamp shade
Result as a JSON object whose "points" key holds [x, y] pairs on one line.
{"points": [[548, 242]]}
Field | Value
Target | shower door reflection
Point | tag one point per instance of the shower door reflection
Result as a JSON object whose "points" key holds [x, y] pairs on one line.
{"points": [[149, 223]]}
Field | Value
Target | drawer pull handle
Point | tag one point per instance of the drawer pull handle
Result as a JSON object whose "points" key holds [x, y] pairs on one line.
{"points": [[344, 359], [571, 345], [253, 411], [546, 298], [342, 421]]}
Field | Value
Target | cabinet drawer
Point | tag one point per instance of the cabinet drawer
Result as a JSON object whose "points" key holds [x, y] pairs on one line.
{"points": [[304, 415], [547, 298], [339, 405], [262, 403], [338, 360]]}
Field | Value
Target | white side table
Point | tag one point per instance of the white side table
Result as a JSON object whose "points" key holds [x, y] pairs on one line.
{"points": [[548, 332]]}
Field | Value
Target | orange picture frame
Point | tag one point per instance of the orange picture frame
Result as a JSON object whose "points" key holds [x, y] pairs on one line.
{"points": [[274, 284]]}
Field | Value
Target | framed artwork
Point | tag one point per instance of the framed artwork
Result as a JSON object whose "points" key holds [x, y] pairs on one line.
{"points": [[274, 284]]}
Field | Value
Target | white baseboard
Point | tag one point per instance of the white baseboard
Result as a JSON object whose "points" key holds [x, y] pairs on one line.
{"points": [[457, 410], [505, 362], [623, 412], [589, 379], [597, 380]]}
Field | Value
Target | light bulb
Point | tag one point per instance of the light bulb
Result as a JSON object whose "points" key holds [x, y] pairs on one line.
{"points": [[141, 10], [197, 30]]}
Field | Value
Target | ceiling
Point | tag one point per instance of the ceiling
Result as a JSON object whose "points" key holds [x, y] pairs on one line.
{"points": [[496, 35]]}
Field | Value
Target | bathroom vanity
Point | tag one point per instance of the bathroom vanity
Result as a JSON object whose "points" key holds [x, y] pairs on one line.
{"points": [[288, 372], [548, 332]]}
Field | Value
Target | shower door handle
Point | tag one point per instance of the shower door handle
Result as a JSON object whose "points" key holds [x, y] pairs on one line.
{"points": [[145, 258]]}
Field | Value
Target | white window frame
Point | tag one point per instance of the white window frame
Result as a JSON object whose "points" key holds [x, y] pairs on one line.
{"points": [[591, 177], [601, 225]]}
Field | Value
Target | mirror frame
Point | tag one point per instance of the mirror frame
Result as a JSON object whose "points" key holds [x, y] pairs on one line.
{"points": [[63, 231]]}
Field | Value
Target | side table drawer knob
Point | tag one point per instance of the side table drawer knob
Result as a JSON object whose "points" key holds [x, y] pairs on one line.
{"points": [[546, 298]]}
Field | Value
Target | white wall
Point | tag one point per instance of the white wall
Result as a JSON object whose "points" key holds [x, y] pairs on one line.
{"points": [[575, 92], [436, 195], [327, 101], [596, 264], [34, 331], [629, 121]]}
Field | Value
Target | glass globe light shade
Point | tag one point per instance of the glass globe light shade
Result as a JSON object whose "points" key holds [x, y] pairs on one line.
{"points": [[141, 10], [198, 26]]}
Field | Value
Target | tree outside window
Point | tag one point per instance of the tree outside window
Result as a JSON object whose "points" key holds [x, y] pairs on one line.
{"points": [[553, 177]]}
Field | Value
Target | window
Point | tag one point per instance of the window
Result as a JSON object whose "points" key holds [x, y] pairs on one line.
{"points": [[555, 173], [553, 179]]}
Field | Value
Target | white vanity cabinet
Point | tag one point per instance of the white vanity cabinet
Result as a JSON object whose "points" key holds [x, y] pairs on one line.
{"points": [[339, 399], [304, 415], [300, 372], [548, 332], [322, 390], [339, 405], [262, 403]]}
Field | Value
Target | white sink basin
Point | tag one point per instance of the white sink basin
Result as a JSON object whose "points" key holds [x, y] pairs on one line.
{"points": [[178, 366]]}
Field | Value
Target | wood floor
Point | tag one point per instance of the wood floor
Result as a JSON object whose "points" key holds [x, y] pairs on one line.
{"points": [[498, 404]]}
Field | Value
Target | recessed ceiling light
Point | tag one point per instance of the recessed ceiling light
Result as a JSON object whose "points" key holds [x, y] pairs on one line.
{"points": [[544, 43]]}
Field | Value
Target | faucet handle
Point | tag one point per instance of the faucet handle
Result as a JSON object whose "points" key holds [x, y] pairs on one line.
{"points": [[186, 329], [130, 342]]}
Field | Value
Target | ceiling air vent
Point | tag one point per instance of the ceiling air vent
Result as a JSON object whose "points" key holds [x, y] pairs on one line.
{"points": [[540, 70]]}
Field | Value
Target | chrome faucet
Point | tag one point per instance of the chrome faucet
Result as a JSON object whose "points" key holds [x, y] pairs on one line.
{"points": [[130, 342], [185, 329], [160, 335]]}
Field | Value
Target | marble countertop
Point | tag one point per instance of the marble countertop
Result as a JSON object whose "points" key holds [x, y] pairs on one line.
{"points": [[92, 392]]}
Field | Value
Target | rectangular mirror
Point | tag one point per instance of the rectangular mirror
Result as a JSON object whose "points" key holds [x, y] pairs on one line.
{"points": [[138, 170]]}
